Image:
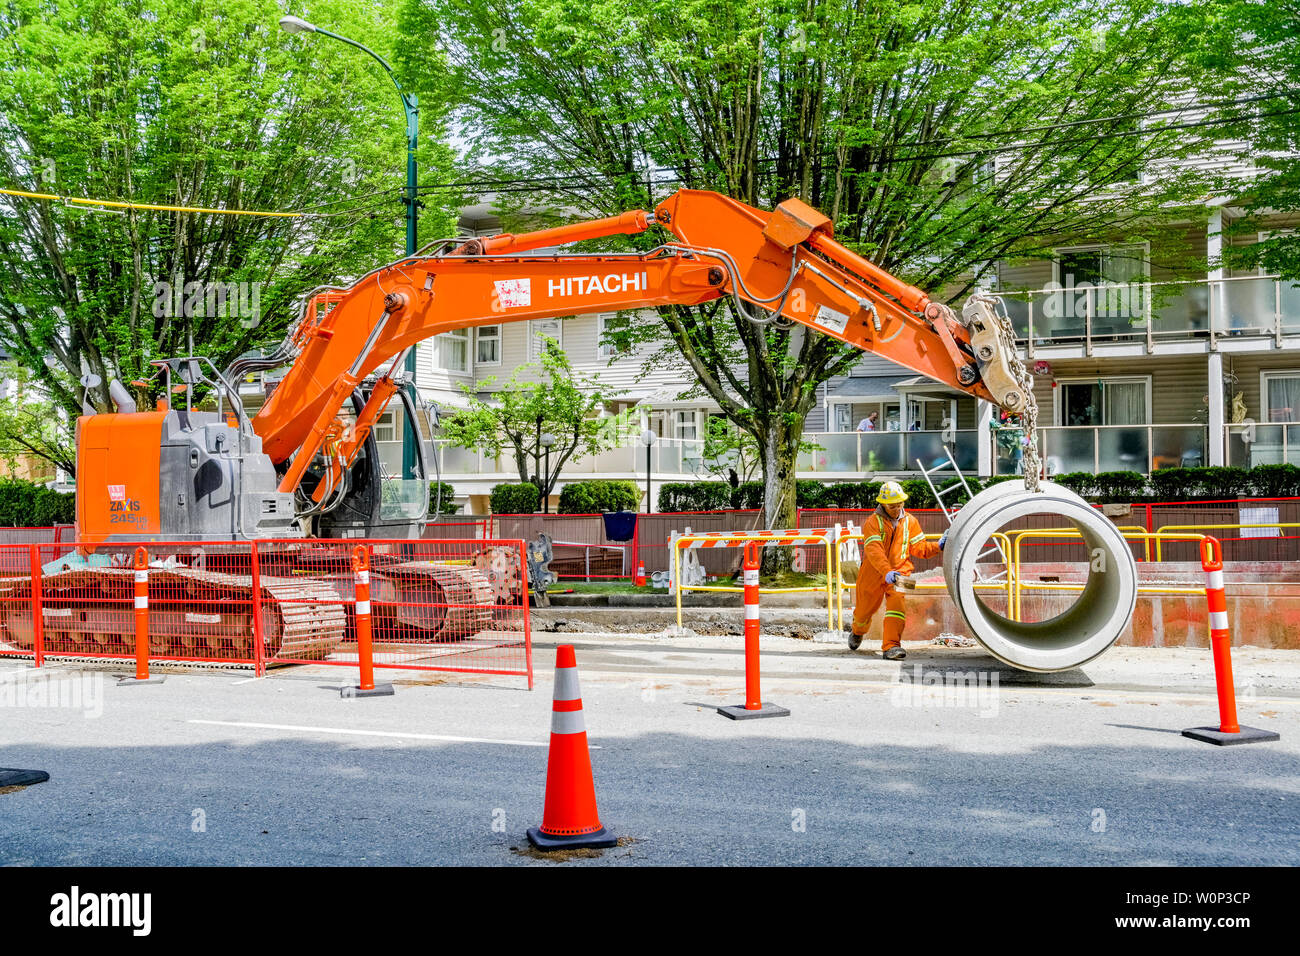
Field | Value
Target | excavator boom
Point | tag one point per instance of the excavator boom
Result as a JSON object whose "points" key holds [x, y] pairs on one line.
{"points": [[781, 266]]}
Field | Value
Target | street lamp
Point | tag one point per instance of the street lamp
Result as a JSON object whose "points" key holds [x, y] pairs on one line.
{"points": [[648, 439], [547, 441], [411, 108]]}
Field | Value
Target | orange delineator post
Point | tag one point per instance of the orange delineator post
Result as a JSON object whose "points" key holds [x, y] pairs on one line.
{"points": [[753, 706], [570, 819], [365, 638], [1228, 731], [141, 614], [141, 567]]}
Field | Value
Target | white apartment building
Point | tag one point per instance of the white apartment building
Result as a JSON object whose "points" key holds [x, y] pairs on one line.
{"points": [[1138, 366]]}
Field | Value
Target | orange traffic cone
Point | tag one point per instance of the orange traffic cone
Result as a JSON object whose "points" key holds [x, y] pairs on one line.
{"points": [[569, 819], [640, 574]]}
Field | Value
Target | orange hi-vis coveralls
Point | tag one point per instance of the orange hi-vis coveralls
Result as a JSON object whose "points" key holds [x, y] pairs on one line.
{"points": [[889, 546]]}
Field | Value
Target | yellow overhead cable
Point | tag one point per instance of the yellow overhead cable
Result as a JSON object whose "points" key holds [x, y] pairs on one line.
{"points": [[140, 205]]}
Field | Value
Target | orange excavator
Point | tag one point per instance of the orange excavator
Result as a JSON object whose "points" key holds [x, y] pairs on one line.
{"points": [[306, 463]]}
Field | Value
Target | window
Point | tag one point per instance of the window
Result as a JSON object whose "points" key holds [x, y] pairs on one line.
{"points": [[1281, 391], [1120, 303], [1111, 401], [487, 345], [453, 350], [385, 428], [542, 329], [687, 428], [609, 323]]}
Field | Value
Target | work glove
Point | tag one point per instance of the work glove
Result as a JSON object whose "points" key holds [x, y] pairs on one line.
{"points": [[892, 577], [943, 540]]}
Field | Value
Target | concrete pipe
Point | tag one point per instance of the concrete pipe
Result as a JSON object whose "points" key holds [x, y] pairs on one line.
{"points": [[1095, 620]]}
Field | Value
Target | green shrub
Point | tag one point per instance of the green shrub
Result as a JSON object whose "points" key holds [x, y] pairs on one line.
{"points": [[1119, 486], [1275, 481], [696, 496], [515, 499], [598, 496], [747, 495], [448, 501], [26, 504]]}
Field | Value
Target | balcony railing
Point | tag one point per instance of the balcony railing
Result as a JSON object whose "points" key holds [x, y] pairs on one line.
{"points": [[887, 451], [837, 452], [1249, 444], [1141, 448], [668, 456], [1155, 311]]}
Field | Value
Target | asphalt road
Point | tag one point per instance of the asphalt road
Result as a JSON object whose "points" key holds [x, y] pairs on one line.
{"points": [[1083, 768]]}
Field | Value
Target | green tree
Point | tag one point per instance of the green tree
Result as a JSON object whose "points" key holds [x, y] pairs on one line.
{"points": [[202, 104], [1260, 39], [32, 426], [559, 403], [940, 135]]}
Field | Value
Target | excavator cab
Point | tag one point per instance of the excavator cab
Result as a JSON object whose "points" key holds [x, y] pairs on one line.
{"points": [[387, 492]]}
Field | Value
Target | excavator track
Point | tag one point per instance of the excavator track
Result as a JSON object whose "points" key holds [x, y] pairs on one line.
{"points": [[192, 614], [435, 602]]}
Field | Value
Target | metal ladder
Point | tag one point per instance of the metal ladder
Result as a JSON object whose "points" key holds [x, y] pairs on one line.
{"points": [[951, 464]]}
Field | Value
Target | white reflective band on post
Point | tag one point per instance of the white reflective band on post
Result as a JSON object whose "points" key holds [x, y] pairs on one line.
{"points": [[751, 612], [567, 722], [363, 607], [141, 577], [142, 601], [751, 576], [1215, 579], [566, 684], [1218, 620], [363, 577]]}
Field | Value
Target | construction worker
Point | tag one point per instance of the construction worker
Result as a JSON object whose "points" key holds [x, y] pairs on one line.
{"points": [[893, 538]]}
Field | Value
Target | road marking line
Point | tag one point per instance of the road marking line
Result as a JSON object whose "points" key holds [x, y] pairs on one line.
{"points": [[371, 733], [245, 680]]}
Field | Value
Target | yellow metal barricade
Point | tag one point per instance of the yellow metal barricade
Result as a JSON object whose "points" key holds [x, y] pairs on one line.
{"points": [[1218, 527]]}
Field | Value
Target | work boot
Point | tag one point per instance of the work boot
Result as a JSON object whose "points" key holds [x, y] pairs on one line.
{"points": [[855, 641], [894, 653]]}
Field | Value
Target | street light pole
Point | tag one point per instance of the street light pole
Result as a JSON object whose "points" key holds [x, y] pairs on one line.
{"points": [[648, 439], [547, 441], [411, 109]]}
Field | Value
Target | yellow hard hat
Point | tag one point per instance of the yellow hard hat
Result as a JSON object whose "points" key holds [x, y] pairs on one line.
{"points": [[891, 493]]}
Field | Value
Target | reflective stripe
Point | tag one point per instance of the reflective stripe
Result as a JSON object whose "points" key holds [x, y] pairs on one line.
{"points": [[141, 601], [895, 614], [568, 722], [874, 537], [1215, 580], [751, 576], [141, 577], [1218, 620], [566, 684], [916, 538], [363, 577], [363, 607], [751, 612]]}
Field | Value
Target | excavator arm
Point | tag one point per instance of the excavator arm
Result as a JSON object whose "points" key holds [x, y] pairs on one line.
{"points": [[782, 266]]}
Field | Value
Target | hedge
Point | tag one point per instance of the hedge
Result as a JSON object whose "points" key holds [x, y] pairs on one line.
{"points": [[25, 504], [1125, 487], [448, 501], [515, 499], [591, 497]]}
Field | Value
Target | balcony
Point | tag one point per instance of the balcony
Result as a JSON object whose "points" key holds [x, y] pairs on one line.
{"points": [[1153, 312], [863, 452], [1141, 448]]}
